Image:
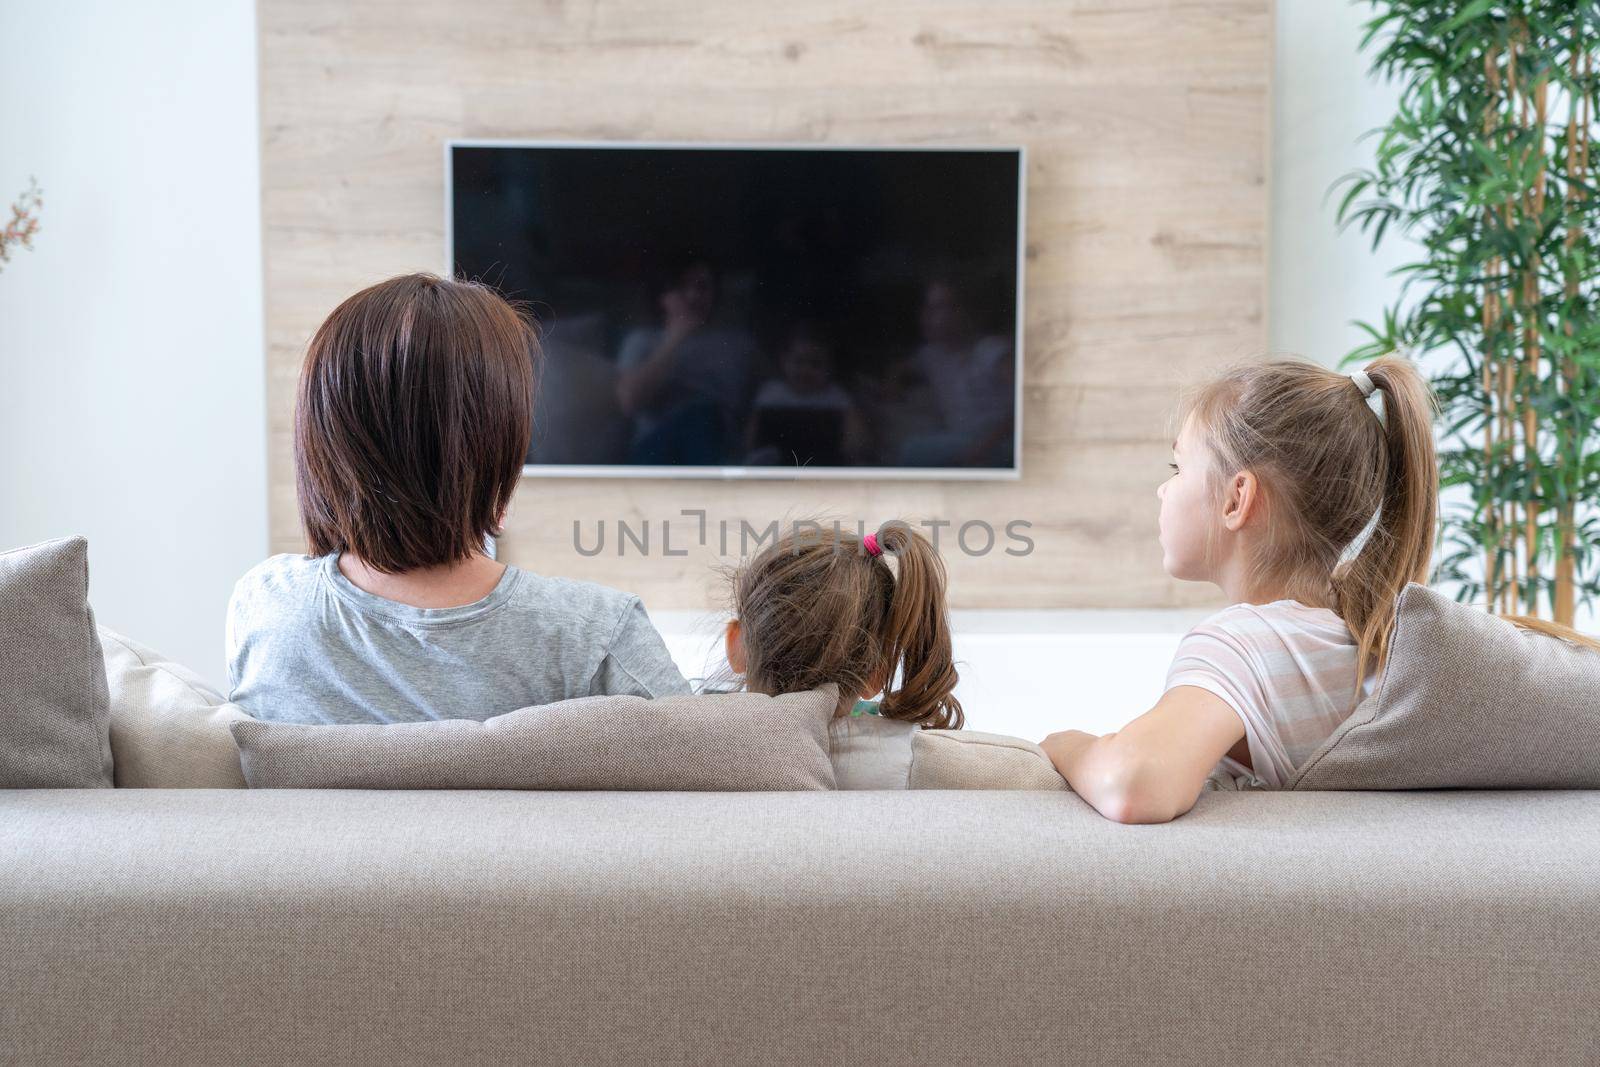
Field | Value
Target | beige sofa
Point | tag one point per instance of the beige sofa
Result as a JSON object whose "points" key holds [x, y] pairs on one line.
{"points": [[167, 925], [302, 926]]}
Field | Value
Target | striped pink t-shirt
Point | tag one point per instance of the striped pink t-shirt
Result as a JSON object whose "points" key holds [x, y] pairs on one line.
{"points": [[1288, 670]]}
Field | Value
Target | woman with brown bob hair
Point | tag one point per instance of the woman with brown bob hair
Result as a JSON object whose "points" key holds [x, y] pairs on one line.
{"points": [[413, 419]]}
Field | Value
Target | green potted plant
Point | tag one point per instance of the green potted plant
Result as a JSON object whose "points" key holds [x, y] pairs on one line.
{"points": [[1487, 164]]}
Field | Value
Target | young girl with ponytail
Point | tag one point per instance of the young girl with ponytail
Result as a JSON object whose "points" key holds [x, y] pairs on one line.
{"points": [[814, 609], [1310, 497]]}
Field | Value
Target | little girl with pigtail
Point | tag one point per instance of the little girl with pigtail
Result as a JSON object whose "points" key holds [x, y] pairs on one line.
{"points": [[814, 609]]}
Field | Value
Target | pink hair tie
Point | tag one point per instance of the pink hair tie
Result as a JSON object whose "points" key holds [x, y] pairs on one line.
{"points": [[871, 541]]}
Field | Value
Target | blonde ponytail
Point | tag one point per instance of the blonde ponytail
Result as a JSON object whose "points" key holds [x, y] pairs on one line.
{"points": [[1400, 548], [1553, 629]]}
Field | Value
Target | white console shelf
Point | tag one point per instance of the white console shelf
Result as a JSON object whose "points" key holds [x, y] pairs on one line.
{"points": [[1022, 672]]}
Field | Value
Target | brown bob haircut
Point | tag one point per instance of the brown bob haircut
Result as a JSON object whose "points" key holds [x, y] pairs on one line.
{"points": [[413, 420]]}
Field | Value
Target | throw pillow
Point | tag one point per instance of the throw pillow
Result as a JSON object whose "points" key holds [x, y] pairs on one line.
{"points": [[1468, 701], [723, 741], [969, 759], [169, 729], [53, 717]]}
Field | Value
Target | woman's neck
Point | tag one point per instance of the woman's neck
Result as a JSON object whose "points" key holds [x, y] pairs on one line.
{"points": [[450, 585]]}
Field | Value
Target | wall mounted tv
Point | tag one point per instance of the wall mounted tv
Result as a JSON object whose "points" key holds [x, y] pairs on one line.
{"points": [[757, 311]]}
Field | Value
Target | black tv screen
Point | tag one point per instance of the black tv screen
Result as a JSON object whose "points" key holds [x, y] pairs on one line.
{"points": [[760, 311]]}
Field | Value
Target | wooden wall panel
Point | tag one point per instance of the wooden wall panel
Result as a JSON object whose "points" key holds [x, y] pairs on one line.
{"points": [[1146, 127]]}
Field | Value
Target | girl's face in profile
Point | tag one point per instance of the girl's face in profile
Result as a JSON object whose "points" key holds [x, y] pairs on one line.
{"points": [[807, 367], [1190, 523]]}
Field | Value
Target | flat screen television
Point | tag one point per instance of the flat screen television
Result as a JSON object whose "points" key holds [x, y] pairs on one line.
{"points": [[757, 311]]}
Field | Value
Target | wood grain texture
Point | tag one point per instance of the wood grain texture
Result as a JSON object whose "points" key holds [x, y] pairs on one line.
{"points": [[1146, 126]]}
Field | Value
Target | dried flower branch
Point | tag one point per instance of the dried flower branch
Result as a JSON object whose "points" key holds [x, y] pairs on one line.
{"points": [[23, 225]]}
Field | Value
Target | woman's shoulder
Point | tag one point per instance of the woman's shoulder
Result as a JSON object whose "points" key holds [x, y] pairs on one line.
{"points": [[286, 567], [284, 576], [278, 596], [572, 598]]}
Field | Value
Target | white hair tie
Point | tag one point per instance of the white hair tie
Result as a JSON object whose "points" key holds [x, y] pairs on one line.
{"points": [[1371, 394]]}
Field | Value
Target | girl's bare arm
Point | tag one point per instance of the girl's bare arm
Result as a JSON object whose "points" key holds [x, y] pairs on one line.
{"points": [[1153, 769]]}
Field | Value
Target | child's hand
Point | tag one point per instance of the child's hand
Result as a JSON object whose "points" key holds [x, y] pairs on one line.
{"points": [[1064, 747]]}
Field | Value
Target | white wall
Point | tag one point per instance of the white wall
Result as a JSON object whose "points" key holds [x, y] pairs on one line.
{"points": [[1323, 101], [131, 370]]}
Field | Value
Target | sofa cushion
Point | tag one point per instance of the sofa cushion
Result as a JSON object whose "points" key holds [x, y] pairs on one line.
{"points": [[53, 718], [169, 729], [184, 926], [1468, 701], [970, 759], [870, 751], [723, 741]]}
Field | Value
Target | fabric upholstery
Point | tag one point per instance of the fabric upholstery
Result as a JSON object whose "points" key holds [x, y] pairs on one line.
{"points": [[397, 928], [724, 741], [1468, 701], [169, 729], [54, 730], [870, 751], [971, 759]]}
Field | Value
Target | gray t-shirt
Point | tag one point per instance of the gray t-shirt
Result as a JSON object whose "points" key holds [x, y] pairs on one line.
{"points": [[306, 645]]}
